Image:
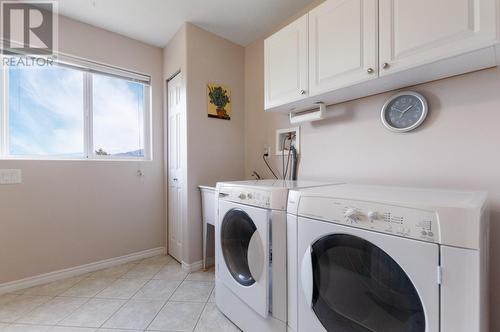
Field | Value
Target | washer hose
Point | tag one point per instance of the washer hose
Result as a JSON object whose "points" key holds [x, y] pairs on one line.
{"points": [[293, 171]]}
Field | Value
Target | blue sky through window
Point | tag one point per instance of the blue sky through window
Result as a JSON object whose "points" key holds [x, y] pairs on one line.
{"points": [[45, 111], [118, 116], [46, 115]]}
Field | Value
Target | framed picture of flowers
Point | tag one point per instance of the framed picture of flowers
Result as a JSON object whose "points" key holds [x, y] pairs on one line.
{"points": [[219, 101]]}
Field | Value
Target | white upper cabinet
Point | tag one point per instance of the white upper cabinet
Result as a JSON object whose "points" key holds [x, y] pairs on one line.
{"points": [[285, 61], [343, 38], [416, 32]]}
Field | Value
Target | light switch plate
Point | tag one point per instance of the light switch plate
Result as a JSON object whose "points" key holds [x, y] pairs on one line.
{"points": [[10, 176]]}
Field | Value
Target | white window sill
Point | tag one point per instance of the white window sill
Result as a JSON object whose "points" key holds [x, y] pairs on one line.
{"points": [[75, 159]]}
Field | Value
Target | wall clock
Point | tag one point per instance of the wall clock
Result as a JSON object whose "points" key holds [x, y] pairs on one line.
{"points": [[404, 111]]}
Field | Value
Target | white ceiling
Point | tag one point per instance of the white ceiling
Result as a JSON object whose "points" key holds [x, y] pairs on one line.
{"points": [[156, 21]]}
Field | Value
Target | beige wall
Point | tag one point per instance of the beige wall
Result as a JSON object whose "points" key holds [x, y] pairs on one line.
{"points": [[214, 147], [457, 147], [174, 56], [69, 213]]}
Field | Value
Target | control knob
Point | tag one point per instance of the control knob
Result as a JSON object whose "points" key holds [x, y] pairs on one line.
{"points": [[352, 215], [242, 196], [374, 215]]}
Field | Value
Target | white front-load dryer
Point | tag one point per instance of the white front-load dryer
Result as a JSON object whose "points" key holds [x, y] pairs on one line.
{"points": [[377, 259]]}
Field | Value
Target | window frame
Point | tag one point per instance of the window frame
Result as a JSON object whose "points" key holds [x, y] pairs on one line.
{"points": [[88, 69]]}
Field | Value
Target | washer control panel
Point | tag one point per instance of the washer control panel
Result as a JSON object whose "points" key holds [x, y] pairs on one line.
{"points": [[391, 219], [260, 198]]}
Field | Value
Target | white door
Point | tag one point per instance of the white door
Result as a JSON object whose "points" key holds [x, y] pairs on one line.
{"points": [[343, 50], [242, 233], [356, 280], [176, 157], [414, 33], [285, 63]]}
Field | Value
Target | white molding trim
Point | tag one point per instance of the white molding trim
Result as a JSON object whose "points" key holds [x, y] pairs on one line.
{"points": [[77, 270], [193, 267], [196, 266]]}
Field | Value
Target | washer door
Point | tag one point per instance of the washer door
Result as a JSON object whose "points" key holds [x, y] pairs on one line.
{"points": [[242, 253], [351, 283], [237, 231]]}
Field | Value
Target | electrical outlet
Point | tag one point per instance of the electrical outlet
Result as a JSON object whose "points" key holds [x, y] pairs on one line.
{"points": [[10, 176]]}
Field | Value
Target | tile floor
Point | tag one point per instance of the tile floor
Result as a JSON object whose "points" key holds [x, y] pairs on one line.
{"points": [[153, 294]]}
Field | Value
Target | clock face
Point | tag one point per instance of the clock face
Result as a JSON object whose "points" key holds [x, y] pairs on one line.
{"points": [[404, 111]]}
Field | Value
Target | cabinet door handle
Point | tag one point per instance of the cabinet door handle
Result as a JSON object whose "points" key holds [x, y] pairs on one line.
{"points": [[385, 65], [370, 71], [302, 92]]}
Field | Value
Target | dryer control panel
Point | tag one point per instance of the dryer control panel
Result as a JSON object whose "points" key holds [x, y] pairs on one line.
{"points": [[253, 197], [391, 219]]}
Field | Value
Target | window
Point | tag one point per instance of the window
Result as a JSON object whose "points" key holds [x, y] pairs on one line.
{"points": [[69, 110], [45, 112], [118, 117]]}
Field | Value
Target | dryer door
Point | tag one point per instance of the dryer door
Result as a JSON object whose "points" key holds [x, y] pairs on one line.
{"points": [[243, 253], [361, 281]]}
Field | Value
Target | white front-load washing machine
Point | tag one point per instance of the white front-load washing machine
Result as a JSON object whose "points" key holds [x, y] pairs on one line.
{"points": [[387, 259], [250, 252]]}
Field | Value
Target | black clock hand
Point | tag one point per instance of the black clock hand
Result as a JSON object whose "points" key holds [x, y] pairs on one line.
{"points": [[406, 110]]}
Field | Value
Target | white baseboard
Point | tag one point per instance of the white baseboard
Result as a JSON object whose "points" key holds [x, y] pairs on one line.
{"points": [[77, 270], [193, 267]]}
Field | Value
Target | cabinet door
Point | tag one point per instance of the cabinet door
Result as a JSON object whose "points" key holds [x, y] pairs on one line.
{"points": [[285, 57], [342, 44], [414, 33]]}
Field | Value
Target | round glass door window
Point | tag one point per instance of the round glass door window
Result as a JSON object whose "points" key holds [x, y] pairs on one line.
{"points": [[236, 231], [359, 288]]}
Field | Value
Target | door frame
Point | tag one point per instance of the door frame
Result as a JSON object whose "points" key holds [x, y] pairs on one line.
{"points": [[183, 155]]}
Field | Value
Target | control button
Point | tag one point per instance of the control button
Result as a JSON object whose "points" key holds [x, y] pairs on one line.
{"points": [[352, 215], [242, 196], [350, 212], [424, 233], [430, 234], [249, 196], [374, 215]]}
